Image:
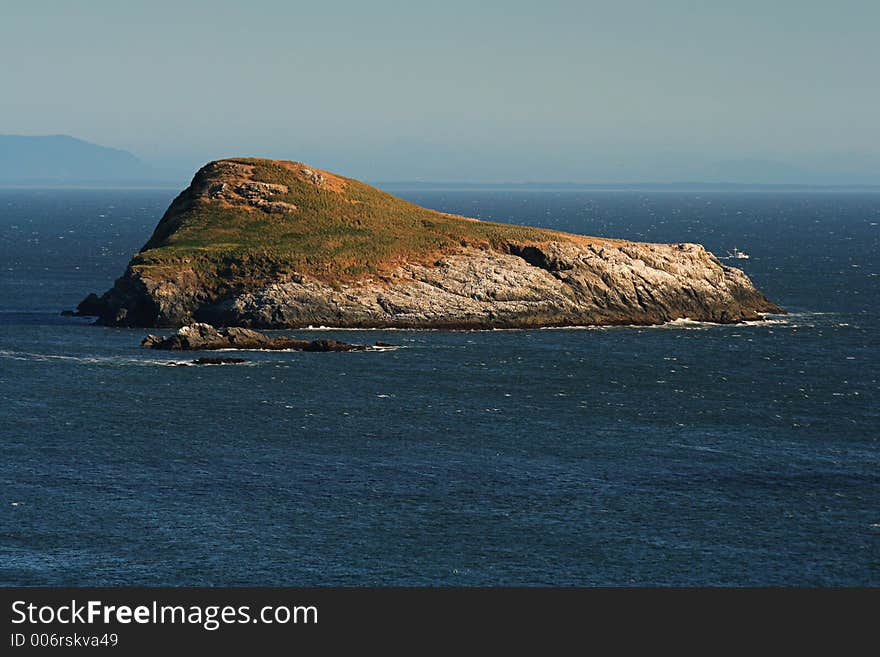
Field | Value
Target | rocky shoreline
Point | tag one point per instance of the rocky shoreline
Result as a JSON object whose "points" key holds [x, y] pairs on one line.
{"points": [[555, 284]]}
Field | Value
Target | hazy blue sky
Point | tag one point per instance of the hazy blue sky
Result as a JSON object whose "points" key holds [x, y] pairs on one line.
{"points": [[538, 90]]}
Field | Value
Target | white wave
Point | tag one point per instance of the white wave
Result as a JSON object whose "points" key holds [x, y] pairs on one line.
{"points": [[686, 322], [346, 329], [584, 327], [683, 322], [700, 448], [766, 322], [88, 360], [680, 323], [392, 347]]}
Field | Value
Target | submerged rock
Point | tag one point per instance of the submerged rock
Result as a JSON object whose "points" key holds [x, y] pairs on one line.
{"points": [[332, 345], [218, 361]]}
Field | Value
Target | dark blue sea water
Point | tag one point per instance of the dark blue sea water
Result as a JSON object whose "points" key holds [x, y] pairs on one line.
{"points": [[684, 454]]}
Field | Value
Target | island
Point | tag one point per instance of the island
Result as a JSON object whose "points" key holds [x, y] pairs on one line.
{"points": [[272, 244]]}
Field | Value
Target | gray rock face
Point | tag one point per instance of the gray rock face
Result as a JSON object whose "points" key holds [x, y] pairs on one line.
{"points": [[256, 194], [554, 284], [192, 337]]}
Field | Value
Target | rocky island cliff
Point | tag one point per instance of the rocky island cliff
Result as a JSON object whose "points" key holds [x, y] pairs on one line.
{"points": [[276, 244]]}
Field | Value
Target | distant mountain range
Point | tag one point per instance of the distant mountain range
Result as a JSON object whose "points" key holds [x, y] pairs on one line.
{"points": [[64, 160], [61, 160]]}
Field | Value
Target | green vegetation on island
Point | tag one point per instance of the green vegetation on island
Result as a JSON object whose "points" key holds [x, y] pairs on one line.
{"points": [[246, 210]]}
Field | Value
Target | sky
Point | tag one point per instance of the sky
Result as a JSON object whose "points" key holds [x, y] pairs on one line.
{"points": [[550, 90]]}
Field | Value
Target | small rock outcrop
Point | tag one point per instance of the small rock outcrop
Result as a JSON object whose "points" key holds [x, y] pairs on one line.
{"points": [[204, 337]]}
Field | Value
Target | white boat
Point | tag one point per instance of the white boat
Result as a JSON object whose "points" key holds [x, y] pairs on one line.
{"points": [[736, 254]]}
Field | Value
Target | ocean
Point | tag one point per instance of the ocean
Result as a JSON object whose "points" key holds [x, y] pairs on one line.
{"points": [[685, 454]]}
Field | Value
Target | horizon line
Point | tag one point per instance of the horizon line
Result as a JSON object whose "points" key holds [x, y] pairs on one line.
{"points": [[453, 184]]}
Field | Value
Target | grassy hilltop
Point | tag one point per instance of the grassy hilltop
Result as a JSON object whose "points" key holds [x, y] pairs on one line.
{"points": [[248, 210]]}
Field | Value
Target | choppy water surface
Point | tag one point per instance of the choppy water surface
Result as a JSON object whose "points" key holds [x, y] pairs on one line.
{"points": [[683, 454]]}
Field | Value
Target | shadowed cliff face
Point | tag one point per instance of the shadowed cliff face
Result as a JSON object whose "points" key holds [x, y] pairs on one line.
{"points": [[269, 244]]}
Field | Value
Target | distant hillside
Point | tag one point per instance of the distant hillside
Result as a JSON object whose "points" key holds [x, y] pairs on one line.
{"points": [[59, 159]]}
